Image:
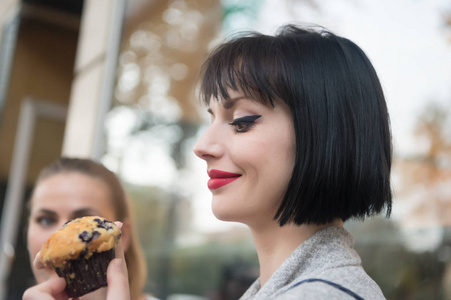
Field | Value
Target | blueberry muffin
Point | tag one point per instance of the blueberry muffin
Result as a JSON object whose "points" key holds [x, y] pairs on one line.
{"points": [[80, 252]]}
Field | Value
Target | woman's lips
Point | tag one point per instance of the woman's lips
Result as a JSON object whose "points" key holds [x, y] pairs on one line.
{"points": [[220, 178]]}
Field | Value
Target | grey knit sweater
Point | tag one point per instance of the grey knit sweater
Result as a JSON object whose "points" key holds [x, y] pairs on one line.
{"points": [[327, 255]]}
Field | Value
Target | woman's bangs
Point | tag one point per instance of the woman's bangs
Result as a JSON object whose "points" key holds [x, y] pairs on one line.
{"points": [[233, 68]]}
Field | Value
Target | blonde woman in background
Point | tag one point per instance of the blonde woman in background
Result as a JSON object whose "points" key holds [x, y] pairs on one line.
{"points": [[70, 188]]}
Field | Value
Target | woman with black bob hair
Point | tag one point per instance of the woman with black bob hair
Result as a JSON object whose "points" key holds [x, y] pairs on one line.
{"points": [[299, 143]]}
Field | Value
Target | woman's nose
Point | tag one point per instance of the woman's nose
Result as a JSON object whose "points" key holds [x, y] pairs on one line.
{"points": [[208, 145]]}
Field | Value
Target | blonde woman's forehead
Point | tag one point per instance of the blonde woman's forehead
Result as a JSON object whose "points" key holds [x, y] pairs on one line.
{"points": [[72, 190]]}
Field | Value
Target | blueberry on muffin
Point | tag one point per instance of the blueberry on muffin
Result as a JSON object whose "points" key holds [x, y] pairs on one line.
{"points": [[80, 252]]}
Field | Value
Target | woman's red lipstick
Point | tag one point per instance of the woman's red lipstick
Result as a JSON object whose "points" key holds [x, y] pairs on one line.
{"points": [[220, 178]]}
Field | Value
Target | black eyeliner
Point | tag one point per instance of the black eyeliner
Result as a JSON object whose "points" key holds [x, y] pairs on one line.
{"points": [[246, 119]]}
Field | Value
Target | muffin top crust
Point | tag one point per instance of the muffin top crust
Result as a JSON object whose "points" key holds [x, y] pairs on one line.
{"points": [[79, 238]]}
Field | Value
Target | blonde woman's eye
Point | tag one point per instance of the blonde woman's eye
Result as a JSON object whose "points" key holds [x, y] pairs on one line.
{"points": [[244, 123], [45, 221]]}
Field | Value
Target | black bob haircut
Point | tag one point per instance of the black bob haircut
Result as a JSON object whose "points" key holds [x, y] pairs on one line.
{"points": [[343, 140]]}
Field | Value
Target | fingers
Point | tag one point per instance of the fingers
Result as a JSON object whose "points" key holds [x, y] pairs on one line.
{"points": [[117, 275], [42, 271], [52, 289], [99, 294], [117, 280], [119, 251]]}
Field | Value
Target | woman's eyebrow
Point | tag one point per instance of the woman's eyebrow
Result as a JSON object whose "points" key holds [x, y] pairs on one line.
{"points": [[85, 211], [231, 102], [47, 211], [228, 104]]}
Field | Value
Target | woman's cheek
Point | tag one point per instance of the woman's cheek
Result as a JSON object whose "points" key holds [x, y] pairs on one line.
{"points": [[36, 239], [33, 241]]}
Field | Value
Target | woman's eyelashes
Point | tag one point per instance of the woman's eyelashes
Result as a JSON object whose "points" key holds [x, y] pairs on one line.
{"points": [[243, 124]]}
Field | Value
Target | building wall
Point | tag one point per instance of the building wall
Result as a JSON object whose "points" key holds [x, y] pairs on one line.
{"points": [[42, 69]]}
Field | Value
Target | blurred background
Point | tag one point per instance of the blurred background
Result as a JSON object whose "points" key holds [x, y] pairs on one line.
{"points": [[115, 80]]}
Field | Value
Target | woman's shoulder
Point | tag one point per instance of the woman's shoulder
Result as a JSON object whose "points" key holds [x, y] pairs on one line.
{"points": [[355, 284], [317, 288]]}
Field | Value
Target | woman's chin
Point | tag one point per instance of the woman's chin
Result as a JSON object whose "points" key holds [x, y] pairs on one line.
{"points": [[224, 215], [228, 216]]}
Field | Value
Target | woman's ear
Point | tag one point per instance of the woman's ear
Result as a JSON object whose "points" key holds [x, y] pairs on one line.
{"points": [[126, 234]]}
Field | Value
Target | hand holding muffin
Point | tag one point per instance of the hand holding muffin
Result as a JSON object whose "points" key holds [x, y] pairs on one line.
{"points": [[81, 252]]}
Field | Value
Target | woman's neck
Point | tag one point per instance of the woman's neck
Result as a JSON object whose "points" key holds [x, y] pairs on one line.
{"points": [[274, 244]]}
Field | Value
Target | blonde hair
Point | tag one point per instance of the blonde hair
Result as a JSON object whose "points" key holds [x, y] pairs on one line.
{"points": [[134, 257]]}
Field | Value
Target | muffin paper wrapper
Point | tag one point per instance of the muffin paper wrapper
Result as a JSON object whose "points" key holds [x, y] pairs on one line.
{"points": [[86, 275]]}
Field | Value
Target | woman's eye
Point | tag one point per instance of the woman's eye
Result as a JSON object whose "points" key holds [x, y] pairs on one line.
{"points": [[45, 221], [243, 124]]}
